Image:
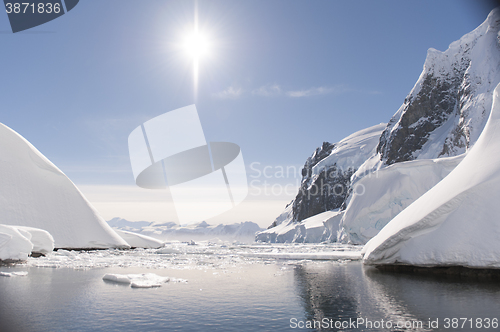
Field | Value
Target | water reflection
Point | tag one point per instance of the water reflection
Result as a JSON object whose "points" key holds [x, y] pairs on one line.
{"points": [[327, 290], [365, 299], [435, 299]]}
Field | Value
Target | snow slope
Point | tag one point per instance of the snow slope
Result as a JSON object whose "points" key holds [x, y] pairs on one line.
{"points": [[136, 240], [380, 196], [35, 193], [353, 150], [456, 222]]}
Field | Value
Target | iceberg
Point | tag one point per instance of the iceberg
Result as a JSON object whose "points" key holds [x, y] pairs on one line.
{"points": [[35, 193]]}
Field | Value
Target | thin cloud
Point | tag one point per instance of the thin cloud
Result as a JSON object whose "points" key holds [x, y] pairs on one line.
{"points": [[268, 90], [229, 93], [316, 91]]}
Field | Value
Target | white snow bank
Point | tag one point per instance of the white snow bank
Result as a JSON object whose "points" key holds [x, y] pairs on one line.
{"points": [[140, 241], [42, 241], [14, 244], [35, 193], [314, 229], [144, 280], [381, 195], [456, 222], [17, 242]]}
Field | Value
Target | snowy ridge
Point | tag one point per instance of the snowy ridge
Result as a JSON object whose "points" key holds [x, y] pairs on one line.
{"points": [[351, 151], [456, 222], [35, 193], [447, 108]]}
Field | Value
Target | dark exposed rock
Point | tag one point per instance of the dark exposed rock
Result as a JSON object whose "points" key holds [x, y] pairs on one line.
{"points": [[324, 191], [422, 114]]}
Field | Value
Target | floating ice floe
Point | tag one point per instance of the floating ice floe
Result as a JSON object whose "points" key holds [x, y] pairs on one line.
{"points": [[14, 274], [143, 280], [181, 256]]}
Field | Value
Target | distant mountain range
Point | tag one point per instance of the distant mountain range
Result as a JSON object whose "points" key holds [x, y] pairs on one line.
{"points": [[170, 231]]}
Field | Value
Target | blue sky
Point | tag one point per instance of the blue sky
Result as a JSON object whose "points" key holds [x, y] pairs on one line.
{"points": [[281, 78]]}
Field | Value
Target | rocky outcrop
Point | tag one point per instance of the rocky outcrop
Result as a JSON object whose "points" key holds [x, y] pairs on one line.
{"points": [[429, 109], [323, 191]]}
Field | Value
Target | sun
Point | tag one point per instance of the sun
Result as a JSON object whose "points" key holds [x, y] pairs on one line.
{"points": [[196, 45]]}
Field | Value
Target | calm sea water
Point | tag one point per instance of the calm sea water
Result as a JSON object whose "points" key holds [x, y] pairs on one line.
{"points": [[225, 292]]}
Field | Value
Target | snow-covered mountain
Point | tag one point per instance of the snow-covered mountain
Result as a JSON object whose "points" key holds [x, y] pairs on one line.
{"points": [[440, 119], [447, 109], [170, 231], [456, 222], [35, 193]]}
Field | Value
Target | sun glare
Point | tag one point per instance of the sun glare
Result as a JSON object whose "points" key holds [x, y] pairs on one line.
{"points": [[196, 45]]}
